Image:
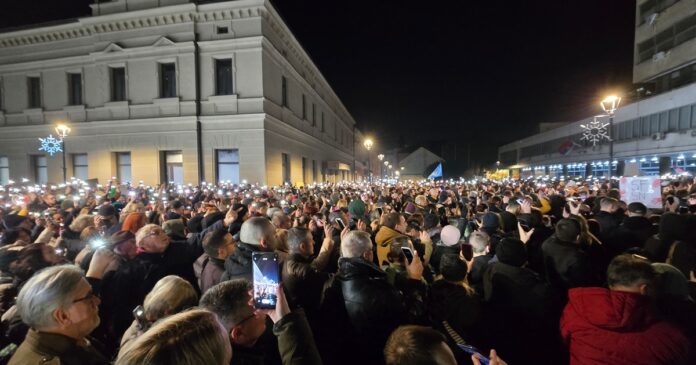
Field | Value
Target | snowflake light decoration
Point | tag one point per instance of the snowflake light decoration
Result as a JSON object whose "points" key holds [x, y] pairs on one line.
{"points": [[51, 145], [595, 132]]}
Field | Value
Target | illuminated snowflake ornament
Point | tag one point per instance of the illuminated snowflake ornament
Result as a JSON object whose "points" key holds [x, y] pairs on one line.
{"points": [[51, 145], [595, 132]]}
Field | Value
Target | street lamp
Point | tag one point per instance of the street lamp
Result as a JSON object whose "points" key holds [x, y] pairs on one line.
{"points": [[609, 105], [368, 145], [391, 174], [62, 131], [380, 157]]}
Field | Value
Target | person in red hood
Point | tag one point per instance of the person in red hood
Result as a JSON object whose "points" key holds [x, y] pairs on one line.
{"points": [[619, 325]]}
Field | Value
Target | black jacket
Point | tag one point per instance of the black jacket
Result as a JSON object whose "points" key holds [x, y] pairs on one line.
{"points": [[460, 308], [238, 264], [303, 284], [567, 265], [633, 232], [607, 223], [360, 310]]}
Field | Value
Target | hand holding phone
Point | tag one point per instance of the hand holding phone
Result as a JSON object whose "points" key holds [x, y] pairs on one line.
{"points": [[341, 223], [475, 354], [265, 274], [408, 253]]}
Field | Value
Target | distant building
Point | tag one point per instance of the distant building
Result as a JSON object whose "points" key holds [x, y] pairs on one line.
{"points": [[416, 163], [171, 90], [653, 135]]}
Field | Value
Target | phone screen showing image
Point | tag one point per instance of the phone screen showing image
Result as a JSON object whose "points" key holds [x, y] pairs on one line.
{"points": [[265, 276]]}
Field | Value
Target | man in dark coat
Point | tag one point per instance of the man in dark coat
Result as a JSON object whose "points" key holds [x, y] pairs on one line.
{"points": [[256, 235], [633, 231], [361, 308], [607, 217], [209, 267], [566, 264]]}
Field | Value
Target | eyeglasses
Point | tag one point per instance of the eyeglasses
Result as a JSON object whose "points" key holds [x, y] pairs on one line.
{"points": [[89, 297], [252, 315]]}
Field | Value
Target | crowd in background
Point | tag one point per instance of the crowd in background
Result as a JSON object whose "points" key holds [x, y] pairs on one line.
{"points": [[533, 271]]}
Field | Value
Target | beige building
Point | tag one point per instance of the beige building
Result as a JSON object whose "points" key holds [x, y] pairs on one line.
{"points": [[171, 90]]}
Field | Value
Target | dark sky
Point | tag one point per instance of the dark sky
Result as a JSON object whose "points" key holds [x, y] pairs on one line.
{"points": [[483, 73]]}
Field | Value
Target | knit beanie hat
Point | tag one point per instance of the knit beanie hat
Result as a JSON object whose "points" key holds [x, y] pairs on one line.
{"points": [[671, 281], [490, 220], [450, 235]]}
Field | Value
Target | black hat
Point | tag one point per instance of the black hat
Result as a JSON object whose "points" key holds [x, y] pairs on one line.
{"points": [[430, 221], [107, 210], [490, 220], [172, 215], [567, 230], [511, 251], [637, 208], [453, 268]]}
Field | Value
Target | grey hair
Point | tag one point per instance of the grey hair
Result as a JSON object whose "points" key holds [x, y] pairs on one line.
{"points": [[355, 244], [479, 241], [144, 232], [254, 230], [48, 290], [296, 236], [271, 211], [229, 300]]}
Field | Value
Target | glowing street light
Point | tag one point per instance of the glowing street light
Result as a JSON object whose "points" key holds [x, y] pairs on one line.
{"points": [[609, 105], [368, 145]]}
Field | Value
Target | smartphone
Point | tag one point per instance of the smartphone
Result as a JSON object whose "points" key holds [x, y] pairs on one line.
{"points": [[467, 251], [380, 211], [340, 223], [474, 351], [265, 277], [408, 253]]}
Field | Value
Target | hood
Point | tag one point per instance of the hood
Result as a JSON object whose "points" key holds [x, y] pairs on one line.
{"points": [[612, 310], [386, 234]]}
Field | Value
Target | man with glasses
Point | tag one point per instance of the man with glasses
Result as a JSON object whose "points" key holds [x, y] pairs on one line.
{"points": [[59, 307]]}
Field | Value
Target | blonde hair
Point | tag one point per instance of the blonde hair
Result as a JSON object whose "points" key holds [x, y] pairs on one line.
{"points": [[170, 295], [81, 222], [189, 338], [143, 232]]}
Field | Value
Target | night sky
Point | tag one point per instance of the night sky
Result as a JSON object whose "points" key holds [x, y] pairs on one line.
{"points": [[448, 74]]}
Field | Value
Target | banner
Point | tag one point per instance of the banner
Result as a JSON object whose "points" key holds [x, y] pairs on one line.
{"points": [[644, 189]]}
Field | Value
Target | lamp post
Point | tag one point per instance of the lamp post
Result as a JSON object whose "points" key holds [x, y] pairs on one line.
{"points": [[62, 131], [380, 157], [386, 163], [368, 145], [391, 173], [609, 105]]}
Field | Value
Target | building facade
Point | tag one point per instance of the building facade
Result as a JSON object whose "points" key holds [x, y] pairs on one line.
{"points": [[654, 134], [171, 90]]}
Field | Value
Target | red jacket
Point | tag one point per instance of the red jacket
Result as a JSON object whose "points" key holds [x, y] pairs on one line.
{"points": [[602, 326]]}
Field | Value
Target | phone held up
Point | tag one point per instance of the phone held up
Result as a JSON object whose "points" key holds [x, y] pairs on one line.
{"points": [[266, 279], [467, 251], [474, 351], [408, 253]]}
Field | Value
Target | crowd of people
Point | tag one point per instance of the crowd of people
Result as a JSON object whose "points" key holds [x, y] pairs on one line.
{"points": [[430, 272]]}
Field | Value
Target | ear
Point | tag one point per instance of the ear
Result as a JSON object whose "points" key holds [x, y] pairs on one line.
{"points": [[61, 317], [643, 289], [263, 243], [235, 334]]}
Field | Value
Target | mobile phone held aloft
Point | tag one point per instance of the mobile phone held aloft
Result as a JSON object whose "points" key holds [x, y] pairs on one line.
{"points": [[408, 253], [266, 277], [474, 351], [341, 223]]}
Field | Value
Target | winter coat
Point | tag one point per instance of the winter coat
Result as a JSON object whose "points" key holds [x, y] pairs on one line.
{"points": [[208, 271], [633, 232], [383, 239], [303, 284], [607, 222], [453, 303], [48, 348], [238, 264], [567, 265], [603, 326], [360, 310]]}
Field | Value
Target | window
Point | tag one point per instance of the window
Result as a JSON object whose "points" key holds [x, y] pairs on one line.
{"points": [[322, 122], [167, 80], [314, 170], [34, 88], [173, 167], [223, 77], [680, 32], [40, 169], [227, 165], [286, 168], [304, 169], [304, 107], [123, 166], [284, 91], [79, 161], [74, 89], [222, 30], [4, 170], [118, 84], [0, 94], [314, 115]]}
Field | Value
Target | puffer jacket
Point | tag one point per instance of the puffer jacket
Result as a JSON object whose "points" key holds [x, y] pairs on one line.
{"points": [[384, 237], [603, 326]]}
